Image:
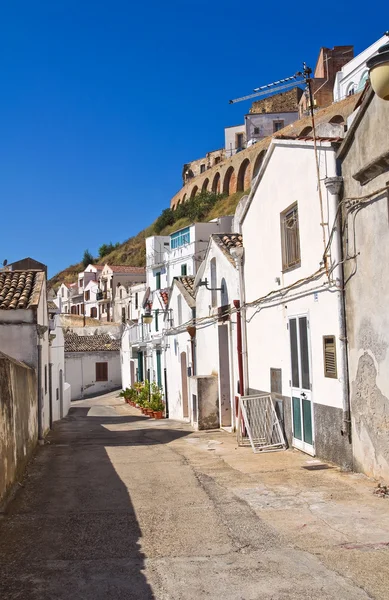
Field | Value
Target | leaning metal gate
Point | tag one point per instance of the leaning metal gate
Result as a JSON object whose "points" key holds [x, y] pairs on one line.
{"points": [[258, 424]]}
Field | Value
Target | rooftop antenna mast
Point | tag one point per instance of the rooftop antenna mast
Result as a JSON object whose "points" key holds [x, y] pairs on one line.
{"points": [[276, 86]]}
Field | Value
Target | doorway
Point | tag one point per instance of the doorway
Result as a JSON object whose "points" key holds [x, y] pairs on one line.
{"points": [[224, 377], [302, 408], [184, 385]]}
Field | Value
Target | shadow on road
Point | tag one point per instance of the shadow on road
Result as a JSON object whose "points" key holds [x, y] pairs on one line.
{"points": [[72, 532]]}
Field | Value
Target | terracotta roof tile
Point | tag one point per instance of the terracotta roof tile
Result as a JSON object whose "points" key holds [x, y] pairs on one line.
{"points": [[164, 296], [188, 283], [20, 289], [90, 343], [126, 269], [227, 241]]}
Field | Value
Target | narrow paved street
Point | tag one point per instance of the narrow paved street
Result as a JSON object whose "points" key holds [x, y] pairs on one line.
{"points": [[120, 506]]}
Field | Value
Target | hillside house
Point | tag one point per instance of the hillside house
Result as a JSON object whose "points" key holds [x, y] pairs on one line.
{"points": [[92, 364]]}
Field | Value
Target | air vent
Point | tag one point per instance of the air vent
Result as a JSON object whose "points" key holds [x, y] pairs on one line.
{"points": [[329, 351]]}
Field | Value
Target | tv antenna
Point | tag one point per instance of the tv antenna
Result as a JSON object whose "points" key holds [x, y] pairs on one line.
{"points": [[278, 86]]}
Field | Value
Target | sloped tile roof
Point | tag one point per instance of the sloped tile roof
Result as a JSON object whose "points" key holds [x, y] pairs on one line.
{"points": [[186, 287], [126, 269], [20, 289], [227, 241], [51, 305], [164, 296], [90, 343], [188, 283]]}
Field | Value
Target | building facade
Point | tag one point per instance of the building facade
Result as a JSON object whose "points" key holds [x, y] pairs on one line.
{"points": [[365, 165], [293, 288]]}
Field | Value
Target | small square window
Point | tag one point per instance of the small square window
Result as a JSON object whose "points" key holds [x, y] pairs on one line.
{"points": [[102, 371], [256, 130], [183, 270], [329, 356], [277, 125]]}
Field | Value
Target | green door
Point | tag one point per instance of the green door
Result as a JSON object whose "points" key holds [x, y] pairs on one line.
{"points": [[159, 372], [302, 408], [140, 366]]}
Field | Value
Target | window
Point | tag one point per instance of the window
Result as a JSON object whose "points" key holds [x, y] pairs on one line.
{"points": [[180, 238], [277, 125], [120, 293], [179, 309], [290, 238], [81, 282], [45, 379], [82, 309], [87, 296], [217, 160], [256, 130], [329, 356], [156, 320], [202, 168], [136, 300], [183, 270], [93, 312], [213, 283], [158, 280], [239, 141], [123, 314], [102, 371], [62, 291]]}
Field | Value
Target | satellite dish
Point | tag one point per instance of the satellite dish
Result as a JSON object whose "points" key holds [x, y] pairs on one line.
{"points": [[5, 262]]}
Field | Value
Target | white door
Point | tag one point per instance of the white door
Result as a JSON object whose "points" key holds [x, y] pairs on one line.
{"points": [[302, 410]]}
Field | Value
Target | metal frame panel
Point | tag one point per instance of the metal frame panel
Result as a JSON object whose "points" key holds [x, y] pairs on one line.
{"points": [[258, 424]]}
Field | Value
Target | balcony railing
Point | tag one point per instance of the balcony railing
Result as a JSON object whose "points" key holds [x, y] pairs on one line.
{"points": [[139, 333]]}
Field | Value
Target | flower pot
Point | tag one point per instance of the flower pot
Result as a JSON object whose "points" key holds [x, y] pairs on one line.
{"points": [[158, 414]]}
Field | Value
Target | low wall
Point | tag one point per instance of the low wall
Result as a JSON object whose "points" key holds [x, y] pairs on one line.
{"points": [[18, 420]]}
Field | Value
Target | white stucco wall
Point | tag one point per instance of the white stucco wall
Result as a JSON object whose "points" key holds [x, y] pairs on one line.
{"points": [[80, 372], [207, 338], [177, 344], [229, 138], [267, 333], [57, 360]]}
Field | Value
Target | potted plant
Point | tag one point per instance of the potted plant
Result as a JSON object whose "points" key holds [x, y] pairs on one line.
{"points": [[156, 403]]}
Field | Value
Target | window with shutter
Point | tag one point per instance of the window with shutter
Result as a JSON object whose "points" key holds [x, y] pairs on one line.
{"points": [[102, 371], [329, 352]]}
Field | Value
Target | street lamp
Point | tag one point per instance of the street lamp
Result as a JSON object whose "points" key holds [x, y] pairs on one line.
{"points": [[378, 66]]}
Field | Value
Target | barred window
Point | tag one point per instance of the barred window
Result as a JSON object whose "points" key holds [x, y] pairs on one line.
{"points": [[290, 238]]}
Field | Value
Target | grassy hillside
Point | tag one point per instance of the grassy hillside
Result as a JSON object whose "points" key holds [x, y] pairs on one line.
{"points": [[132, 251]]}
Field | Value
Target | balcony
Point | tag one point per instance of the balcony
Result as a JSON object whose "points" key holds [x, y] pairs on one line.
{"points": [[101, 296], [139, 334]]}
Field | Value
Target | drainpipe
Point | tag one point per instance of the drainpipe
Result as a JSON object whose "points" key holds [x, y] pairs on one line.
{"points": [[239, 344], [334, 186], [238, 254]]}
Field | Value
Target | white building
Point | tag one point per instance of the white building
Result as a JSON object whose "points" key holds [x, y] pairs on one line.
{"points": [[234, 139], [217, 293], [92, 364], [24, 330], [128, 304], [59, 389], [353, 76], [179, 348], [295, 321], [167, 257], [110, 280]]}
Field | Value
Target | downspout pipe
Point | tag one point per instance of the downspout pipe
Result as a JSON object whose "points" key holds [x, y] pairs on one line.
{"points": [[239, 343], [334, 186], [238, 255]]}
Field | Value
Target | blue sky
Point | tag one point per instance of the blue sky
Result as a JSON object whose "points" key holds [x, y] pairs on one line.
{"points": [[102, 102]]}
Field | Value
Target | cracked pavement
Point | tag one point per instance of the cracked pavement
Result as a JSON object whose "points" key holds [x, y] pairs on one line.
{"points": [[116, 505]]}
